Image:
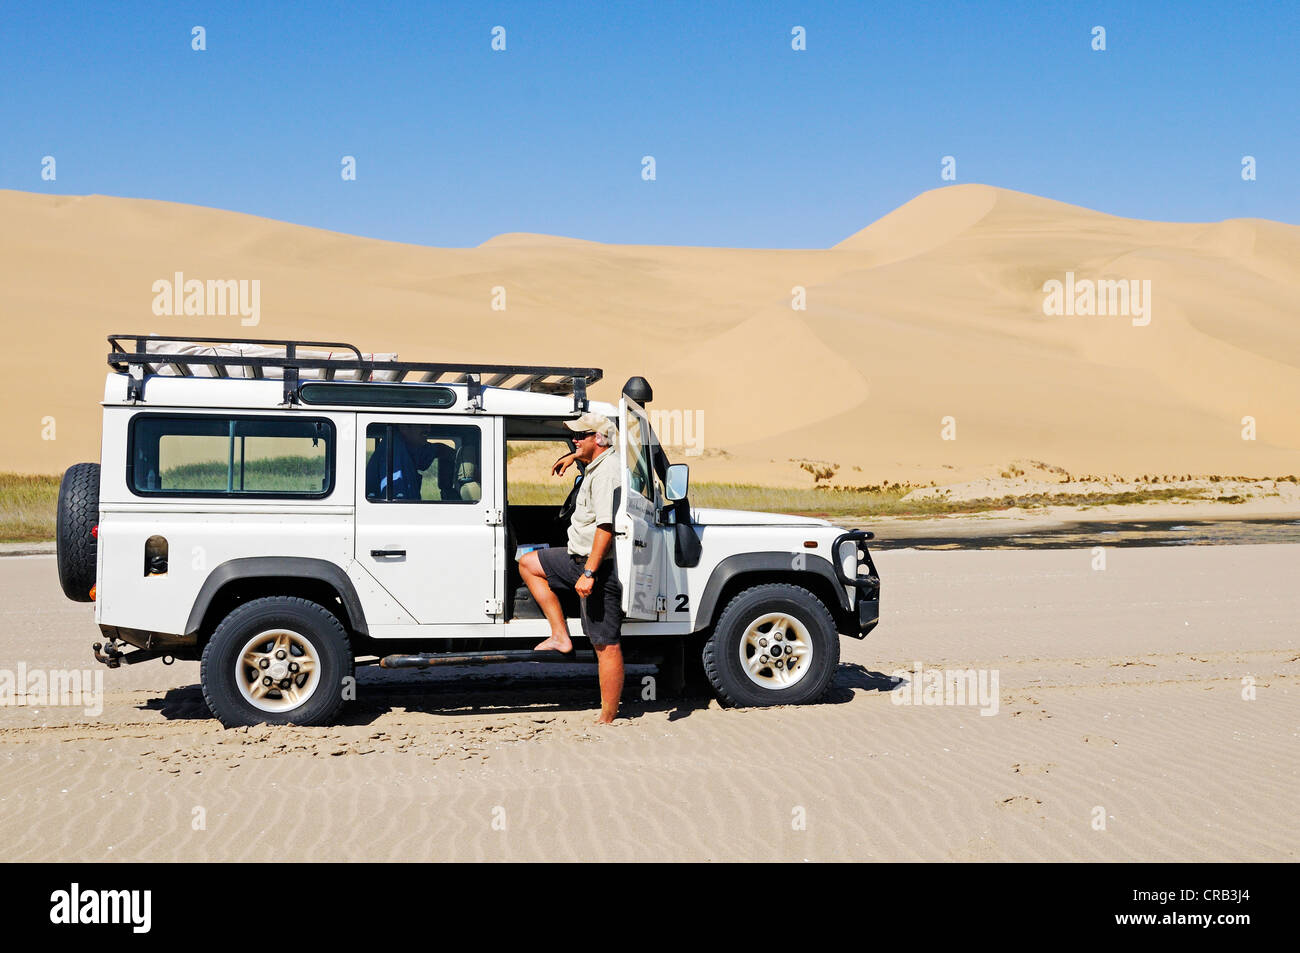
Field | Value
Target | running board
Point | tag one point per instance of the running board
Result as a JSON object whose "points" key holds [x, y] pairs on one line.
{"points": [[431, 659]]}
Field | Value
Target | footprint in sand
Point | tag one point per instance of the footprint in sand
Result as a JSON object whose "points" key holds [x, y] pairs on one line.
{"points": [[1033, 768], [1021, 803]]}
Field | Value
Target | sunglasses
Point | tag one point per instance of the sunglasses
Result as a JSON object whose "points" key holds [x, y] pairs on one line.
{"points": [[583, 436]]}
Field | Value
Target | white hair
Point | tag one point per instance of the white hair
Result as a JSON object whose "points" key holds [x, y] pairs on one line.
{"points": [[602, 440]]}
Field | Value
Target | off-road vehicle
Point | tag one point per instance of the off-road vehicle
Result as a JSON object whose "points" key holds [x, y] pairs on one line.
{"points": [[282, 511]]}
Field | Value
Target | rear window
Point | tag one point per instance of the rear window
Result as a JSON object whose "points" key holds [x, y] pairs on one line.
{"points": [[220, 456]]}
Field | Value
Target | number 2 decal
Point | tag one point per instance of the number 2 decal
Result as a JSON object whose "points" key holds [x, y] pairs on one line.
{"points": [[683, 602]]}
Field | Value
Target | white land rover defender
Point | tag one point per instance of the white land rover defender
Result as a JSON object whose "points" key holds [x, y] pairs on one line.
{"points": [[282, 511]]}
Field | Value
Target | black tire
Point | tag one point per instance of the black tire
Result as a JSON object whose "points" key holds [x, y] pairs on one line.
{"points": [[722, 651], [313, 624], [77, 516]]}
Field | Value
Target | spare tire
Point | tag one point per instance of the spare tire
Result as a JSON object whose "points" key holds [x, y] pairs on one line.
{"points": [[77, 519]]}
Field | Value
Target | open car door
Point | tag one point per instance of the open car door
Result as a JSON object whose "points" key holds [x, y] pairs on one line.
{"points": [[638, 539]]}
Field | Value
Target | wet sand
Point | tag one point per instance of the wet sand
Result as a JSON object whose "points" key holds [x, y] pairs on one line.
{"points": [[986, 534]]}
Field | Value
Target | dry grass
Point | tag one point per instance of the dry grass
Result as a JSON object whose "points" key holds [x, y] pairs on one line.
{"points": [[822, 501], [27, 505], [519, 448], [541, 494], [887, 500]]}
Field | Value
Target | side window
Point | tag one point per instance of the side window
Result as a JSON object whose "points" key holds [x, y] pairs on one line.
{"points": [[212, 455], [640, 475], [655, 452], [659, 483], [423, 463]]}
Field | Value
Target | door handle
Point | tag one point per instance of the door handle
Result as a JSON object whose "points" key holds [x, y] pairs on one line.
{"points": [[381, 553], [639, 543]]}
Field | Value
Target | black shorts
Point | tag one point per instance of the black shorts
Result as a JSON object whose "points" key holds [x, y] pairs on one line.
{"points": [[602, 611]]}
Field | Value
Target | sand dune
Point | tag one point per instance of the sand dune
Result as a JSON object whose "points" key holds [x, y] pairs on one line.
{"points": [[935, 310]]}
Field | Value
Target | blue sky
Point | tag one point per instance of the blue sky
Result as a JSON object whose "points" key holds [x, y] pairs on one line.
{"points": [[755, 144]]}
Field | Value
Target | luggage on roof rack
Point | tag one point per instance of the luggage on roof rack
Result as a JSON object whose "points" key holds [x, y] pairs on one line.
{"points": [[143, 355]]}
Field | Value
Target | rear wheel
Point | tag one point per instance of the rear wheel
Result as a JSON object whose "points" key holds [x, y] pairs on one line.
{"points": [[279, 660], [774, 644], [77, 516]]}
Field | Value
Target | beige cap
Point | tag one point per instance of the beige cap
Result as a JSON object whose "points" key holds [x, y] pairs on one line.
{"points": [[595, 422]]}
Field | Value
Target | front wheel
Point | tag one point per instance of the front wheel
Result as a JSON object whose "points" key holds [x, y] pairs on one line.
{"points": [[774, 644], [278, 660]]}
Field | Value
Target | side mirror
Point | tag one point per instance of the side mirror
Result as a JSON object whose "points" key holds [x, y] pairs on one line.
{"points": [[676, 482]]}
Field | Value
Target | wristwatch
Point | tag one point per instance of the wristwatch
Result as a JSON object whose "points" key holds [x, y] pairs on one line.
{"points": [[589, 574]]}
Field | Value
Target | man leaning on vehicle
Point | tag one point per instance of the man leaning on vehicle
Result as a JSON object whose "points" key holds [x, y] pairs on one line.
{"points": [[586, 565]]}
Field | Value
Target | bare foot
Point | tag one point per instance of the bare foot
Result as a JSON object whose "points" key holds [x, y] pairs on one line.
{"points": [[557, 643], [605, 719]]}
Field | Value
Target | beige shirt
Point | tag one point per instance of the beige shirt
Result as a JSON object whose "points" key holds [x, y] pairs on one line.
{"points": [[595, 503]]}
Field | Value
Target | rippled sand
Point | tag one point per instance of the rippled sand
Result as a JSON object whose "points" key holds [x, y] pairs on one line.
{"points": [[1120, 695]]}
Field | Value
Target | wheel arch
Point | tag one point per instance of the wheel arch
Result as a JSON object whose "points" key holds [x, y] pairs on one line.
{"points": [[238, 580], [743, 570]]}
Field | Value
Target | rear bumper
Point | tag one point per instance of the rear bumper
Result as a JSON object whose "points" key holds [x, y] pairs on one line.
{"points": [[865, 580], [143, 639]]}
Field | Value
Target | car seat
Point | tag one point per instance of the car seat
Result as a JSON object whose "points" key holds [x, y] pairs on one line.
{"points": [[467, 483]]}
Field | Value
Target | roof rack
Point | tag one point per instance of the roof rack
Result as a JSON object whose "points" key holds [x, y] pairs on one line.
{"points": [[142, 355]]}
